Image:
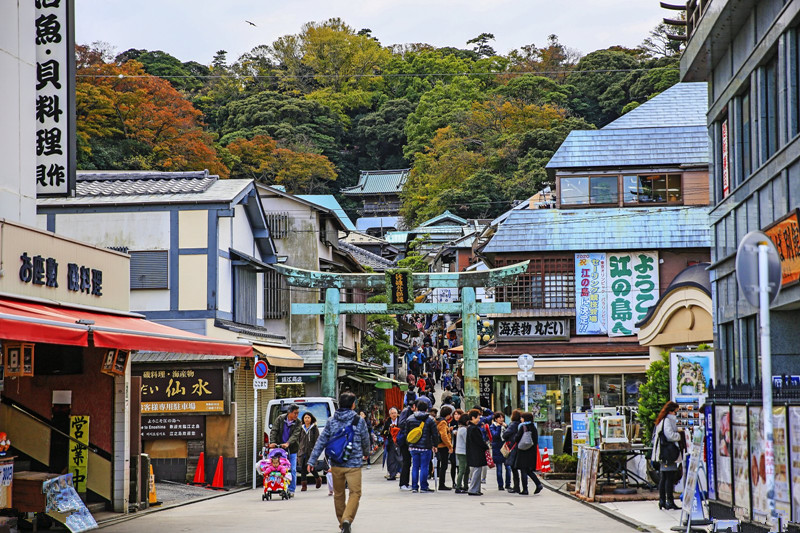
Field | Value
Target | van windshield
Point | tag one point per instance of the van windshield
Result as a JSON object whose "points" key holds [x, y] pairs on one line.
{"points": [[320, 410]]}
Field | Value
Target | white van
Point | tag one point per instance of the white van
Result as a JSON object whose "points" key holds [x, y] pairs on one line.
{"points": [[321, 407]]}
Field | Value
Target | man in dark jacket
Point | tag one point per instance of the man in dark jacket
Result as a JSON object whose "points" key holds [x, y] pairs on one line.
{"points": [[476, 452], [347, 474], [421, 450], [286, 434]]}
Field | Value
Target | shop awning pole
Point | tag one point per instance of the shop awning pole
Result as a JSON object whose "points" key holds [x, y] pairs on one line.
{"points": [[255, 434]]}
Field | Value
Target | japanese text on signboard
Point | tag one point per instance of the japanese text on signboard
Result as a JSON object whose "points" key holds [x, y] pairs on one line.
{"points": [[183, 390], [633, 281], [590, 294], [533, 328], [79, 453], [53, 89], [785, 234], [173, 427], [40, 270]]}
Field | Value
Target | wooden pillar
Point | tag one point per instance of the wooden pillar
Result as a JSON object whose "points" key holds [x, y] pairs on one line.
{"points": [[330, 349], [469, 336]]}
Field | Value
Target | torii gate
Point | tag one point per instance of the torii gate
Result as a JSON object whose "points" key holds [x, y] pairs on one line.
{"points": [[401, 301]]}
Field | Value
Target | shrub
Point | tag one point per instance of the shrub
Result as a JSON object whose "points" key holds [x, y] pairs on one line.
{"points": [[653, 394], [564, 463]]}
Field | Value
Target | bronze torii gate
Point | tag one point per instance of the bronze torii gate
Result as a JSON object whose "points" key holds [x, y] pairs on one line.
{"points": [[401, 282]]}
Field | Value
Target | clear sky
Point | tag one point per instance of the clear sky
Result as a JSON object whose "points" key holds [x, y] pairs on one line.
{"points": [[196, 29]]}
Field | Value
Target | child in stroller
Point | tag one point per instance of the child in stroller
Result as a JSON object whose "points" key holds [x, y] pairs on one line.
{"points": [[276, 470]]}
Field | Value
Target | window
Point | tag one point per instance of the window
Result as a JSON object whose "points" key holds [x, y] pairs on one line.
{"points": [[794, 80], [245, 297], [150, 269], [593, 190], [548, 284], [275, 295], [653, 189], [278, 224], [744, 134], [604, 190], [769, 109], [574, 191]]}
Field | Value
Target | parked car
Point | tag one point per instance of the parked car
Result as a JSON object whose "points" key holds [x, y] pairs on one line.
{"points": [[320, 406]]}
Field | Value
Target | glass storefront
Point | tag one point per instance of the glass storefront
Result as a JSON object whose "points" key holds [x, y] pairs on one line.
{"points": [[552, 399]]}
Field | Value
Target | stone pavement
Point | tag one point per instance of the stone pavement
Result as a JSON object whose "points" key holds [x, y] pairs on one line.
{"points": [[383, 509]]}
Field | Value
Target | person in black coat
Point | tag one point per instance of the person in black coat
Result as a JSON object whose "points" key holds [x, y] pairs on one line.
{"points": [[525, 460], [476, 453], [510, 436]]}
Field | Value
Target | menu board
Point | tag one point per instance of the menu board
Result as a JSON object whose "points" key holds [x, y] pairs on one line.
{"points": [[723, 451], [689, 415], [782, 501], [741, 462], [758, 473], [794, 456]]}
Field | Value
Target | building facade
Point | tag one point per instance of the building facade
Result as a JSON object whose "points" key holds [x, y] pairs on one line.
{"points": [[631, 214]]}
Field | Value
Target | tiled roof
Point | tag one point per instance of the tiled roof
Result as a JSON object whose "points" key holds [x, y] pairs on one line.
{"points": [[670, 129], [366, 258], [328, 201], [683, 104], [379, 182], [173, 357], [365, 223], [447, 215], [149, 187], [584, 230]]}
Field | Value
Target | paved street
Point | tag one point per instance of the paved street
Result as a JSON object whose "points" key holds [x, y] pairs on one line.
{"points": [[383, 509]]}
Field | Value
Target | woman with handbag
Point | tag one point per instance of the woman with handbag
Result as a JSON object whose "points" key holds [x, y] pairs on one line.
{"points": [[510, 436], [527, 452], [666, 436], [308, 438]]}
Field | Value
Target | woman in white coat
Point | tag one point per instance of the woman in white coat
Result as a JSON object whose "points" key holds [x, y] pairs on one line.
{"points": [[666, 451]]}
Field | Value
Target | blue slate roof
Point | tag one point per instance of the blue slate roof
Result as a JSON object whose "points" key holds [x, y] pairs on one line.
{"points": [[601, 229], [365, 223], [669, 129], [379, 182], [447, 215], [328, 201]]}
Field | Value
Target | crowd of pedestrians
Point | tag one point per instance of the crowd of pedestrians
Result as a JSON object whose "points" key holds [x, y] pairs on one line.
{"points": [[467, 443]]}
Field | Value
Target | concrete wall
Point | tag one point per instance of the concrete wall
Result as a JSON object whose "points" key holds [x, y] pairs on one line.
{"points": [[17, 112]]}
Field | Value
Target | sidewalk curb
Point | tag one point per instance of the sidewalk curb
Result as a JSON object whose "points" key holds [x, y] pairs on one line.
{"points": [[150, 510], [619, 517]]}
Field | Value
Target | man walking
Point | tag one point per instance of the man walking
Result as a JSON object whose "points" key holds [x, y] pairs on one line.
{"points": [[445, 444], [405, 455], [348, 473], [286, 434], [422, 437]]}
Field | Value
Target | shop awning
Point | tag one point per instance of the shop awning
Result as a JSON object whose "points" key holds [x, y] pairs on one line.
{"points": [[571, 366], [39, 322], [380, 382], [279, 356]]}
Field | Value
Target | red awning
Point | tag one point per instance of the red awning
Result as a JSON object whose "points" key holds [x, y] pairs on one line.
{"points": [[35, 322]]}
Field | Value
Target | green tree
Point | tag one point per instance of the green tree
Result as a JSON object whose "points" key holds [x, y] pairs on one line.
{"points": [[186, 77], [378, 137], [413, 259], [653, 394], [482, 47], [376, 345], [598, 79]]}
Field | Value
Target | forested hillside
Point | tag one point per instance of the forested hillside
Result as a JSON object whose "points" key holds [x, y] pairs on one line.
{"points": [[310, 110]]}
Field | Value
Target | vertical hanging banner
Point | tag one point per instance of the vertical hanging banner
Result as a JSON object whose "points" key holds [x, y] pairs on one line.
{"points": [[55, 97], [633, 289], [590, 294], [79, 453]]}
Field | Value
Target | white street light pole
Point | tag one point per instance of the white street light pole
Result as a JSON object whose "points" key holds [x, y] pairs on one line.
{"points": [[766, 374]]}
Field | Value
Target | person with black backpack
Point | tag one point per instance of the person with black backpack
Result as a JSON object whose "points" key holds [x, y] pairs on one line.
{"points": [[666, 452], [346, 443], [422, 436]]}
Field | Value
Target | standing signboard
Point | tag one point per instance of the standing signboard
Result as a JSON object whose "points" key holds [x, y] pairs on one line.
{"points": [[690, 376], [590, 294], [486, 383], [723, 453], [55, 97], [633, 289], [782, 497], [741, 462], [580, 433]]}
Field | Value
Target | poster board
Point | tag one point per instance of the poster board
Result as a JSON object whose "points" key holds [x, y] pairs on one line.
{"points": [[586, 477], [580, 433], [723, 449], [794, 457], [780, 447], [757, 458], [741, 462], [690, 373]]}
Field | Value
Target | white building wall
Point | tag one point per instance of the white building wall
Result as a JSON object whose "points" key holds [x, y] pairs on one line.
{"points": [[17, 112], [225, 230], [242, 233], [143, 300], [145, 230], [225, 286]]}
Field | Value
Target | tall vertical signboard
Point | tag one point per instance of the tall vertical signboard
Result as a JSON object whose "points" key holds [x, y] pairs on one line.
{"points": [[55, 97], [726, 180], [590, 297], [633, 289]]}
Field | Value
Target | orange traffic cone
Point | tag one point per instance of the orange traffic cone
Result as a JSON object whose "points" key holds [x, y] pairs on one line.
{"points": [[545, 461], [217, 483], [200, 471]]}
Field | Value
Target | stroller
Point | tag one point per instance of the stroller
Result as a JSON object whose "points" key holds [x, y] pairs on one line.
{"points": [[276, 471]]}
